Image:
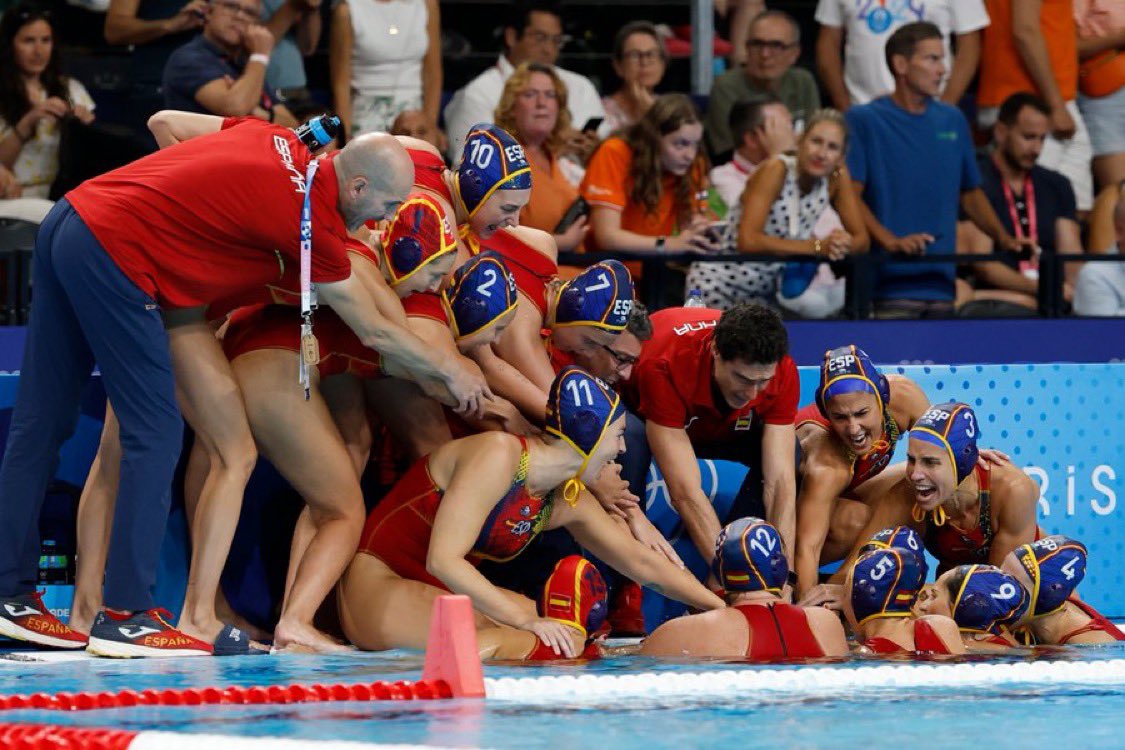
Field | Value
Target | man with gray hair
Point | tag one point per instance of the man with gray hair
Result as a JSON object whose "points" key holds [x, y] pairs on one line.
{"points": [[773, 46]]}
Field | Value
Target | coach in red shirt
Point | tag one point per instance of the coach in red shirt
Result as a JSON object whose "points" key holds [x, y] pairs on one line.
{"points": [[711, 385], [211, 217]]}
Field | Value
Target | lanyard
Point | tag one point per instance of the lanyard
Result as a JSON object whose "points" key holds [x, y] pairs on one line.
{"points": [[1032, 264], [310, 349]]}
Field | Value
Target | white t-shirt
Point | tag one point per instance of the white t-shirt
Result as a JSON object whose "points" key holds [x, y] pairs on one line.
{"points": [[867, 25], [477, 103]]}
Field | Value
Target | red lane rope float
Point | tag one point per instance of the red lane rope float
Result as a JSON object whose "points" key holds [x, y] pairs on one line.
{"points": [[48, 737], [255, 695]]}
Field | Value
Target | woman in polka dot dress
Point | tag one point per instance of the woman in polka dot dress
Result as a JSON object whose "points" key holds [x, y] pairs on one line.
{"points": [[780, 206]]}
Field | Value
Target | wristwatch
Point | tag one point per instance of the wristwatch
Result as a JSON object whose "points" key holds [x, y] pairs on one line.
{"points": [[660, 242]]}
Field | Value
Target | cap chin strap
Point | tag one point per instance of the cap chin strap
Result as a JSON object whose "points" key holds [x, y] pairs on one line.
{"points": [[575, 486], [937, 515]]}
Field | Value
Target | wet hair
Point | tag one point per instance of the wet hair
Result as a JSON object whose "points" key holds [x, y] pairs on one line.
{"points": [[751, 333], [667, 114], [14, 102], [636, 27], [1012, 106], [639, 324], [515, 85], [748, 115], [906, 38]]}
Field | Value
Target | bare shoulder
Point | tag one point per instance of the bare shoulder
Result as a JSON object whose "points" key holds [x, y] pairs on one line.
{"points": [[908, 401], [692, 635], [944, 626], [1013, 485], [536, 239], [822, 617], [824, 462], [484, 456]]}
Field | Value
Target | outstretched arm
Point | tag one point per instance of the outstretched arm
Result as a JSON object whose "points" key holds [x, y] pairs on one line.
{"points": [[170, 126]]}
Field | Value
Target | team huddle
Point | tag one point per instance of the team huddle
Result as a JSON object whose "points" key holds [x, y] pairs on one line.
{"points": [[323, 312]]}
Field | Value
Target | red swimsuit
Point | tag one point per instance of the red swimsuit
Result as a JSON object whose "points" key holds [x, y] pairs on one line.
{"points": [[779, 631], [868, 465], [926, 641], [531, 269], [398, 530], [1098, 623]]}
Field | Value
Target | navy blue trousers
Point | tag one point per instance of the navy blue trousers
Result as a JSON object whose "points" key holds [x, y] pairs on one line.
{"points": [[85, 310]]}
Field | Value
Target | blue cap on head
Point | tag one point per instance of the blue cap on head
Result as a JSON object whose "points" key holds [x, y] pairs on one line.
{"points": [[749, 557], [580, 408], [1056, 565], [885, 583], [492, 160], [903, 537], [985, 599], [481, 292], [601, 296], [953, 427], [848, 369]]}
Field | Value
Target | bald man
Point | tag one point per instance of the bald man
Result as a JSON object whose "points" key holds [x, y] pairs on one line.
{"points": [[216, 212]]}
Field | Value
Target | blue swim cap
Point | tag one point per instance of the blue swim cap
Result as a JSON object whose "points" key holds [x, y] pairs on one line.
{"points": [[580, 408], [952, 426], [601, 296], [902, 537], [848, 369], [985, 599], [1056, 565], [492, 160], [885, 583], [749, 557], [481, 292]]}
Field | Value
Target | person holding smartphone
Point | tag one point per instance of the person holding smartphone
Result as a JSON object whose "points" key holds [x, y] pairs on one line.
{"points": [[533, 108]]}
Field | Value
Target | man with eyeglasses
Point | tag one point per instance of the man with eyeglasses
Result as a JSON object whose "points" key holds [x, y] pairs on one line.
{"points": [[223, 70], [533, 32], [773, 46]]}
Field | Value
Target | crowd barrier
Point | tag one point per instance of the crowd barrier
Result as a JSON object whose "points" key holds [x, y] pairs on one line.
{"points": [[1060, 422]]}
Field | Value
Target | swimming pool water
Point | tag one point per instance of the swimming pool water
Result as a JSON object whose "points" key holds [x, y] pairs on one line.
{"points": [[1001, 717]]}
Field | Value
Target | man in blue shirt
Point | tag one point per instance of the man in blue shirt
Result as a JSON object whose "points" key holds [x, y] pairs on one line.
{"points": [[223, 70], [912, 160]]}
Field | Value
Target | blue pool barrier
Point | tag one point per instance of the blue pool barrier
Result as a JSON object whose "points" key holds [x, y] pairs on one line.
{"points": [[1060, 422]]}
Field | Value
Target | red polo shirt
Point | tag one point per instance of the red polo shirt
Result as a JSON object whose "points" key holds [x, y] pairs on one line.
{"points": [[216, 215], [672, 383]]}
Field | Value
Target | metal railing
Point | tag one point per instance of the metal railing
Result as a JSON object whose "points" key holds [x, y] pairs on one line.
{"points": [[662, 280]]}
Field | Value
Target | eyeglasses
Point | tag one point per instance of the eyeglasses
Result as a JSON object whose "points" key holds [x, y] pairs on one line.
{"points": [[541, 37], [641, 55], [622, 360], [237, 9], [769, 45]]}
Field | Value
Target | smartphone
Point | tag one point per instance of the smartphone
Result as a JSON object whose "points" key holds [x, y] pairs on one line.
{"points": [[579, 208], [721, 233], [593, 124]]}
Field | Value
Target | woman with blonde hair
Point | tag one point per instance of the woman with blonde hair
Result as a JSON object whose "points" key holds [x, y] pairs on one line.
{"points": [[533, 108]]}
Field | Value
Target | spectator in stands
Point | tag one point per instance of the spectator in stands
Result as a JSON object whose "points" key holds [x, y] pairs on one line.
{"points": [[533, 32], [296, 26], [385, 57], [763, 129], [1032, 203], [864, 29], [773, 48], [1101, 84], [223, 70], [781, 207], [34, 97], [639, 60], [153, 29], [415, 123], [533, 109], [911, 157], [1032, 45], [647, 188], [1101, 286]]}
